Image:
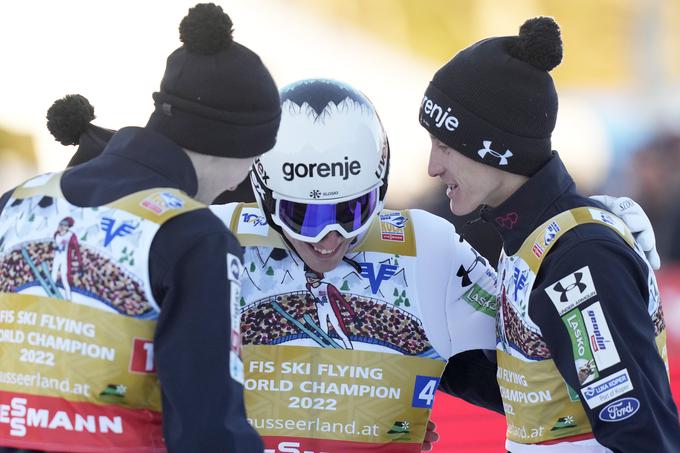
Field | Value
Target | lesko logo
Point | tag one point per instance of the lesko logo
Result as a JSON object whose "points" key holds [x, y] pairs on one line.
{"points": [[322, 170], [503, 158]]}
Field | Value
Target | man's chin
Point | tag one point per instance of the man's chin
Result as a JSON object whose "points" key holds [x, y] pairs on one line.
{"points": [[322, 265], [460, 210]]}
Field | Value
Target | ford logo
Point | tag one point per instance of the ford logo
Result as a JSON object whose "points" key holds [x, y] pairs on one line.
{"points": [[619, 410]]}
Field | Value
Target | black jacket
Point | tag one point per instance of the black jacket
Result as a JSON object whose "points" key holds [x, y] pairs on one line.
{"points": [[203, 407], [621, 279]]}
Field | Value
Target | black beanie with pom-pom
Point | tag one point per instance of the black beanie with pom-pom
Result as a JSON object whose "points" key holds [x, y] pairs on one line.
{"points": [[69, 120], [216, 96], [495, 101]]}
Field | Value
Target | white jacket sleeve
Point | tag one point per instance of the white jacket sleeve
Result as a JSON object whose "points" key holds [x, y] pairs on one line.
{"points": [[457, 288]]}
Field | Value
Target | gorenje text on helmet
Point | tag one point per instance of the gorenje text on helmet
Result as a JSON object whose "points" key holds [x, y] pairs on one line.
{"points": [[323, 170]]}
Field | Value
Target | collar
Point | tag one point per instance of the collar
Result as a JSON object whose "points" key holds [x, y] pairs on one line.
{"points": [[530, 205], [157, 153]]}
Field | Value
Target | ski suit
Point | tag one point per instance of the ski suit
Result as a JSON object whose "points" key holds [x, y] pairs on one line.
{"points": [[419, 295], [581, 335], [149, 321]]}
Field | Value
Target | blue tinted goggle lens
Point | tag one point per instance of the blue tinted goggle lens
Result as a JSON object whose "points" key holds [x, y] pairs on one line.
{"points": [[310, 219]]}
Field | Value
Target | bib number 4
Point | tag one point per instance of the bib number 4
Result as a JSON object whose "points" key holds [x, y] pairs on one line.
{"points": [[424, 391]]}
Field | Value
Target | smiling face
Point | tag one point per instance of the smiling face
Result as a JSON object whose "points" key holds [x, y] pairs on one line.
{"points": [[469, 184], [322, 256]]}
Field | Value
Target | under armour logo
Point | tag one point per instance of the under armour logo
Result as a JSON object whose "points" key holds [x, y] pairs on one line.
{"points": [[508, 220], [578, 276], [107, 225], [503, 158], [385, 272], [464, 273]]}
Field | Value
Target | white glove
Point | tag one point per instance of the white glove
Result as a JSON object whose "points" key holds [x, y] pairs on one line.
{"points": [[638, 223]]}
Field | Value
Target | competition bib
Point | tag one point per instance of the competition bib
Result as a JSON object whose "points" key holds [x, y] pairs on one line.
{"points": [[339, 400], [539, 405], [77, 319], [337, 361]]}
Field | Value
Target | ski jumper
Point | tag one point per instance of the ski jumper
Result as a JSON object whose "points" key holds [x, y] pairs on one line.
{"points": [[148, 318], [417, 296], [65, 249], [581, 336], [328, 302]]}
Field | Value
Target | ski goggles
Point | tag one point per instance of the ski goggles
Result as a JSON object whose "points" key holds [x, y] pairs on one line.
{"points": [[310, 222]]}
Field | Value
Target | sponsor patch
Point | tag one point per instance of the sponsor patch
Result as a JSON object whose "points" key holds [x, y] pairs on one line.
{"points": [[235, 270], [519, 287], [601, 341], [564, 423], [252, 221], [571, 290], [29, 418], [392, 227], [550, 233], [619, 410], [481, 300], [583, 356], [161, 202], [609, 219], [607, 389]]}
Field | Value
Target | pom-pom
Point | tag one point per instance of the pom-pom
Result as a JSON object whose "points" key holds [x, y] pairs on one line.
{"points": [[69, 117], [539, 43], [206, 29]]}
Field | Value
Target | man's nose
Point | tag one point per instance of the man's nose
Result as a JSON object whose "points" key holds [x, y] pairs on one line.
{"points": [[331, 240], [434, 167]]}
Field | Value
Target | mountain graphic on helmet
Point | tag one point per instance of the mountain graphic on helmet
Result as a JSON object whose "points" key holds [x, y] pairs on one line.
{"points": [[320, 94]]}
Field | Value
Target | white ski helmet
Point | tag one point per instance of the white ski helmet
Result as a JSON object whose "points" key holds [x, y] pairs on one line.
{"points": [[328, 170]]}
